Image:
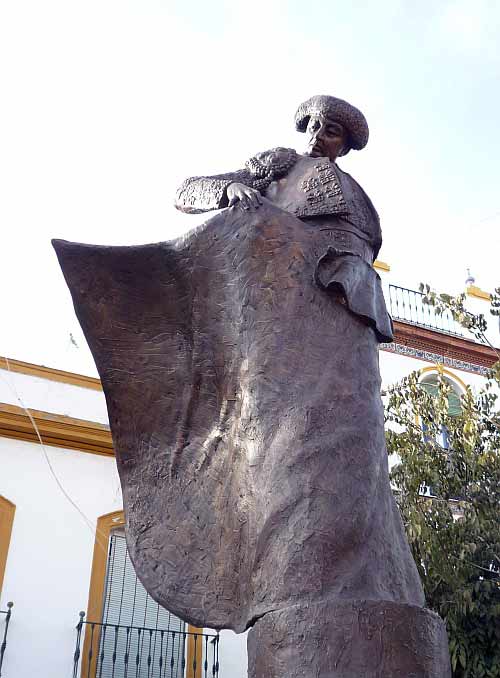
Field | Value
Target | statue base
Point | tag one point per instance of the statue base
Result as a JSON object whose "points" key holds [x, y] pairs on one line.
{"points": [[349, 639]]}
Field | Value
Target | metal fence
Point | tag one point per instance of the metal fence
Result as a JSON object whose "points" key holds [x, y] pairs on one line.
{"points": [[407, 305], [119, 651], [3, 646]]}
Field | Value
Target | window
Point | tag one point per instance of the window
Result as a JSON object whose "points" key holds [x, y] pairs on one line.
{"points": [[127, 633], [7, 511], [430, 384], [133, 621]]}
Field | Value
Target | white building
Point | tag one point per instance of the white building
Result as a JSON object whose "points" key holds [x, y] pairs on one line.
{"points": [[61, 544]]}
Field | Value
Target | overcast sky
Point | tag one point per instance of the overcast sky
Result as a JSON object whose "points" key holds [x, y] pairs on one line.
{"points": [[107, 105]]}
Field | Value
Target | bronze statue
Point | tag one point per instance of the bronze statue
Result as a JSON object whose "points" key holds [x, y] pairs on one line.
{"points": [[240, 367]]}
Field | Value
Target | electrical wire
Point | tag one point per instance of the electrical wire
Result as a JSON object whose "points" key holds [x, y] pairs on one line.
{"points": [[90, 524]]}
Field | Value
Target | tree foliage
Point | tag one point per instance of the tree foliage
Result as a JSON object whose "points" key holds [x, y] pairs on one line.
{"points": [[454, 530]]}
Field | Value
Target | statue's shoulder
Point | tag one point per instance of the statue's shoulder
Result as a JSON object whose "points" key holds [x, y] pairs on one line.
{"points": [[267, 166], [348, 178]]}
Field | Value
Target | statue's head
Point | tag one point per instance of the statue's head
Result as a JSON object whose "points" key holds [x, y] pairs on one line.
{"points": [[333, 126]]}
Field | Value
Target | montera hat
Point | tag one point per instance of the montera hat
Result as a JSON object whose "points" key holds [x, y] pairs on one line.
{"points": [[341, 111]]}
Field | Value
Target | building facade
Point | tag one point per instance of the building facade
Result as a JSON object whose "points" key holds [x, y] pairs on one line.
{"points": [[62, 550]]}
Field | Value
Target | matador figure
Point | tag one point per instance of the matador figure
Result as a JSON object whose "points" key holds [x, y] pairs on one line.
{"points": [[240, 368]]}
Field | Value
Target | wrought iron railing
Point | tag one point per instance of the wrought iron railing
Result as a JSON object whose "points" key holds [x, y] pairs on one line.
{"points": [[408, 306], [3, 646], [119, 651]]}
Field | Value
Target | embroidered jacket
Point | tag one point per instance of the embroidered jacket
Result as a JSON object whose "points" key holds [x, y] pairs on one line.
{"points": [[318, 192], [314, 187]]}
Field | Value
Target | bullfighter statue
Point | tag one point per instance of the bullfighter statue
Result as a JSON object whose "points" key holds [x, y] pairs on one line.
{"points": [[240, 368]]}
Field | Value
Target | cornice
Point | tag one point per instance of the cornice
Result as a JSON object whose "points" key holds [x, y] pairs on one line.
{"points": [[50, 373], [55, 430], [446, 345], [474, 291], [381, 265]]}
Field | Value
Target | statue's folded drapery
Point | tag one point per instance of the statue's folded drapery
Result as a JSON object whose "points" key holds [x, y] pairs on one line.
{"points": [[244, 398]]}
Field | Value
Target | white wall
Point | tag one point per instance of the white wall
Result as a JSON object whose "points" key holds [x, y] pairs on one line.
{"points": [[483, 306], [53, 396], [233, 655], [49, 563], [394, 366]]}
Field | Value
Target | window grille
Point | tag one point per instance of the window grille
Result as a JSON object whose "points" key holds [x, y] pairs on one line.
{"points": [[131, 635], [443, 439], [454, 405]]}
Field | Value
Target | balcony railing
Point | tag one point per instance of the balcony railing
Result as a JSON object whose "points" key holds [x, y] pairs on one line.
{"points": [[407, 305], [119, 651], [3, 646]]}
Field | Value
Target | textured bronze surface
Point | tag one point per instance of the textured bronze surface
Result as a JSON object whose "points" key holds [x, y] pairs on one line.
{"points": [[354, 639], [240, 368], [246, 417]]}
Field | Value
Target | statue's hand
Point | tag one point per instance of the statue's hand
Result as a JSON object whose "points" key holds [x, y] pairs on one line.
{"points": [[248, 198]]}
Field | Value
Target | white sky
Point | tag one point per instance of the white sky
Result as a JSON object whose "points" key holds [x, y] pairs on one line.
{"points": [[107, 105]]}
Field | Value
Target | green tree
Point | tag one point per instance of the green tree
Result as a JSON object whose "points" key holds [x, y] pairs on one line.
{"points": [[455, 533]]}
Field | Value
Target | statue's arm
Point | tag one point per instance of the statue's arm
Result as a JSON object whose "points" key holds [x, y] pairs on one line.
{"points": [[202, 194]]}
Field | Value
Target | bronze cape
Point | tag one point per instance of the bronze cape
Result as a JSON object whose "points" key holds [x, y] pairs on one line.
{"points": [[243, 392]]}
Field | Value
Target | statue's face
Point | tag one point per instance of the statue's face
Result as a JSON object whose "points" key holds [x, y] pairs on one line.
{"points": [[327, 137]]}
